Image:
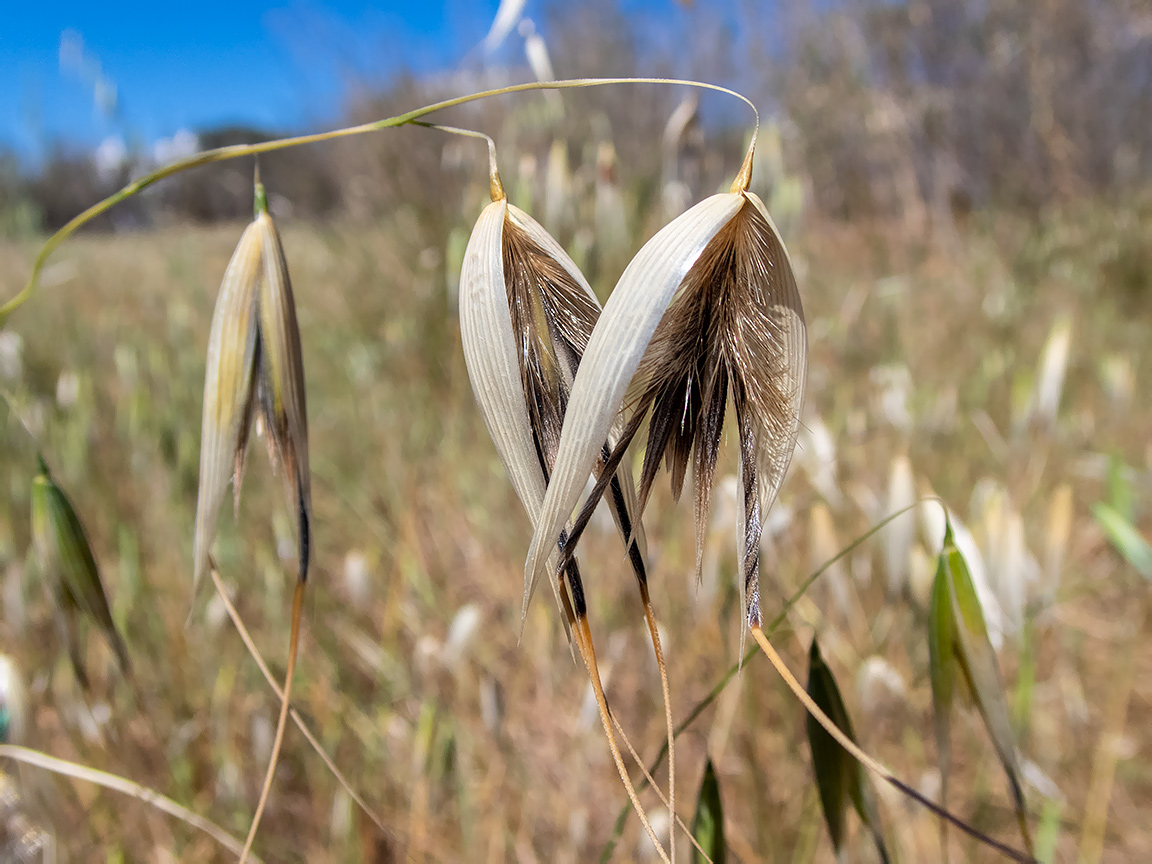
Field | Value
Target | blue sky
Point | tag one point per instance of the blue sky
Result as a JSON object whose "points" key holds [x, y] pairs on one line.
{"points": [[281, 64], [189, 65]]}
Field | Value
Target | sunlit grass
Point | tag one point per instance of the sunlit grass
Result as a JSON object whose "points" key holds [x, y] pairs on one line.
{"points": [[484, 748]]}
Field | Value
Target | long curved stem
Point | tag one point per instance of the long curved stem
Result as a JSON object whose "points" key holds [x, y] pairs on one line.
{"points": [[296, 718], [235, 151], [123, 785], [670, 740], [656, 788]]}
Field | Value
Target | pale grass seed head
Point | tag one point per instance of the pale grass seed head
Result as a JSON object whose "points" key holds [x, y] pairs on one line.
{"points": [[526, 317], [255, 371], [707, 310], [526, 314]]}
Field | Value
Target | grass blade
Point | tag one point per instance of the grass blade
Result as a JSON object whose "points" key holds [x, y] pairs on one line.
{"points": [[942, 677], [839, 777], [708, 823], [1129, 542], [127, 787]]}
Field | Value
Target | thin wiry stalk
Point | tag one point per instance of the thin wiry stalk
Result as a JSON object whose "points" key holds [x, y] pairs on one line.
{"points": [[656, 788], [584, 643], [285, 701], [235, 151], [238, 622], [125, 786], [576, 617]]}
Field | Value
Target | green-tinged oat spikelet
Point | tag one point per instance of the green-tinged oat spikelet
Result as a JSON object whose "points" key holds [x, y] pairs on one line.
{"points": [[69, 569], [960, 654], [839, 777], [254, 368]]}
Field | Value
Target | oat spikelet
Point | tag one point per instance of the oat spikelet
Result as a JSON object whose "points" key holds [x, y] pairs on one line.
{"points": [[526, 315], [707, 310], [255, 370], [69, 568]]}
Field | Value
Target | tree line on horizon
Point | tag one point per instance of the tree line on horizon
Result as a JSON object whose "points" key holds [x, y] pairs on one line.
{"points": [[912, 112]]}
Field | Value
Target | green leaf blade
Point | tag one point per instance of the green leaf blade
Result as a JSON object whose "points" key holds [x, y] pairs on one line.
{"points": [[1129, 542], [839, 777], [942, 667], [708, 823]]}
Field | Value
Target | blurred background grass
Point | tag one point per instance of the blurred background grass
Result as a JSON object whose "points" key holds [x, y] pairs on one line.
{"points": [[970, 220]]}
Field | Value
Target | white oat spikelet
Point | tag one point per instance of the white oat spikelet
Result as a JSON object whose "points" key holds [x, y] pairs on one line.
{"points": [[898, 534], [526, 315], [709, 307]]}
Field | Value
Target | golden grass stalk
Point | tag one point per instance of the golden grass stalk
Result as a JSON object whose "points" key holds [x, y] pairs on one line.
{"points": [[285, 701], [868, 761], [116, 783], [735, 668], [293, 713]]}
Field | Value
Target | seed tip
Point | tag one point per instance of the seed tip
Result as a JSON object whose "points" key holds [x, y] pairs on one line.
{"points": [[495, 187], [744, 176], [260, 197]]}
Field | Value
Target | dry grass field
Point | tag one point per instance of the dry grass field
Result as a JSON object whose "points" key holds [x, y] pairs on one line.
{"points": [[476, 747]]}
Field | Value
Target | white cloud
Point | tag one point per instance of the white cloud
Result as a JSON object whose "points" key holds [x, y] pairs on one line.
{"points": [[180, 146], [109, 157]]}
